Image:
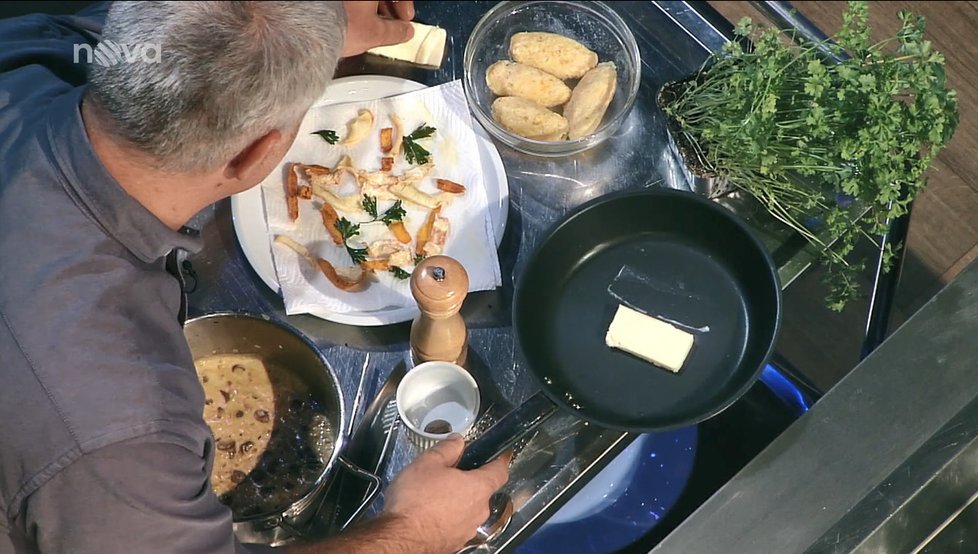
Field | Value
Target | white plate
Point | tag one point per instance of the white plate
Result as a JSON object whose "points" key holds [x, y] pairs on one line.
{"points": [[248, 211]]}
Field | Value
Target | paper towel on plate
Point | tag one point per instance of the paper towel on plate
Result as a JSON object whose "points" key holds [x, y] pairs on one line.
{"points": [[455, 156]]}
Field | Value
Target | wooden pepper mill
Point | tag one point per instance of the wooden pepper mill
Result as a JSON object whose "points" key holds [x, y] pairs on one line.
{"points": [[439, 285]]}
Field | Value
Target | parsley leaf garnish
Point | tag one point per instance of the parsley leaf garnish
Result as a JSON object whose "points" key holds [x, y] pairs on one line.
{"points": [[414, 152], [358, 255], [349, 230], [419, 258], [369, 204], [423, 131], [328, 135], [393, 214], [399, 273]]}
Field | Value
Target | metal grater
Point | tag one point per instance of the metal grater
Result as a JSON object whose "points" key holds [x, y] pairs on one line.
{"points": [[485, 422]]}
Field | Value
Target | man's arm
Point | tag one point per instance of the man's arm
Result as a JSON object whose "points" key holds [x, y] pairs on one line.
{"points": [[136, 496], [151, 496], [431, 508]]}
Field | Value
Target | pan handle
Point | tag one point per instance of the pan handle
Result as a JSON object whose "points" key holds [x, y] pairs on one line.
{"points": [[374, 484], [507, 432]]}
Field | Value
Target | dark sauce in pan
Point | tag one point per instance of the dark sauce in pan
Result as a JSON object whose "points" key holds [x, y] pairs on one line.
{"points": [[300, 444]]}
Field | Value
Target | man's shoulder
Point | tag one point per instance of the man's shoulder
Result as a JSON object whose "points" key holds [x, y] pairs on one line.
{"points": [[42, 57], [93, 354], [102, 341]]}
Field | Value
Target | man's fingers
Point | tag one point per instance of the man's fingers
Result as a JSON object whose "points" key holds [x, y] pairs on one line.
{"points": [[496, 472], [403, 10], [393, 31], [386, 9], [448, 451]]}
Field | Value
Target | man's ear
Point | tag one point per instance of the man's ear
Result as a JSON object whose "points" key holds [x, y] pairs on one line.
{"points": [[247, 165]]}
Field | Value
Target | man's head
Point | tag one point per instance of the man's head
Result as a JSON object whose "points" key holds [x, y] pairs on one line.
{"points": [[228, 89]]}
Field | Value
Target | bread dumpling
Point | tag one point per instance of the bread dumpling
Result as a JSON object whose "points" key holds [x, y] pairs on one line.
{"points": [[590, 99], [506, 78], [528, 119], [562, 57]]}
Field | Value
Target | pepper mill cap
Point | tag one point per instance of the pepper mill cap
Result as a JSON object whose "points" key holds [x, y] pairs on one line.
{"points": [[439, 285]]}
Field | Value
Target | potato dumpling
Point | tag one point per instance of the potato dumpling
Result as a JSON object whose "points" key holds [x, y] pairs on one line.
{"points": [[590, 100], [528, 119], [558, 55], [506, 78]]}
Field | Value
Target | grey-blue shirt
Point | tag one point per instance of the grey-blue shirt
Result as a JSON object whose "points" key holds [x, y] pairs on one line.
{"points": [[103, 448]]}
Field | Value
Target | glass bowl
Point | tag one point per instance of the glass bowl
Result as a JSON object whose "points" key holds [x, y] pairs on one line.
{"points": [[594, 24]]}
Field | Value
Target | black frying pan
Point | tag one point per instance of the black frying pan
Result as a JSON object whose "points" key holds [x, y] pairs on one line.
{"points": [[698, 264]]}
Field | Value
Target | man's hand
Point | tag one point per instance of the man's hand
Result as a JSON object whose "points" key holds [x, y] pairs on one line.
{"points": [[430, 508], [443, 505], [372, 24]]}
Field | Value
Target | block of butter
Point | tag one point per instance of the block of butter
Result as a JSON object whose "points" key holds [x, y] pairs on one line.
{"points": [[427, 47], [651, 339]]}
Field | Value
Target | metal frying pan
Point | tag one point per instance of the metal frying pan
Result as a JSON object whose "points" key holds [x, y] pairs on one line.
{"points": [[689, 260]]}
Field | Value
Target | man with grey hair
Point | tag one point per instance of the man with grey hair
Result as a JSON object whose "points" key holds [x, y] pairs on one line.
{"points": [[103, 448]]}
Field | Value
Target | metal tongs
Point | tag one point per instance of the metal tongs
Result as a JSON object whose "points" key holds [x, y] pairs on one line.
{"points": [[370, 448]]}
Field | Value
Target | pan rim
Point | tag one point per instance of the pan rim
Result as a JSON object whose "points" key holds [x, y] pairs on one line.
{"points": [[520, 304]]}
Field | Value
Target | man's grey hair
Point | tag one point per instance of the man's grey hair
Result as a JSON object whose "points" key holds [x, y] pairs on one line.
{"points": [[226, 74]]}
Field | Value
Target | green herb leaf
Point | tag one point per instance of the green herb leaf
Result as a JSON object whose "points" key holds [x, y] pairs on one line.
{"points": [[423, 131], [328, 135], [798, 131], [393, 214], [369, 204], [399, 273], [347, 229], [419, 258], [358, 255], [414, 152]]}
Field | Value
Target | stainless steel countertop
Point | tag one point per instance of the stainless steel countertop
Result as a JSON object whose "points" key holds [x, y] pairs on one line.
{"points": [[674, 40], [881, 460]]}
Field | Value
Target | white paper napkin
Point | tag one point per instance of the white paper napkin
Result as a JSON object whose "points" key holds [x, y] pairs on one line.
{"points": [[454, 152]]}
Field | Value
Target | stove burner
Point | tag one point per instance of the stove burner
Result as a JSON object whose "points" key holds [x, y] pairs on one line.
{"points": [[646, 512], [785, 390]]}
